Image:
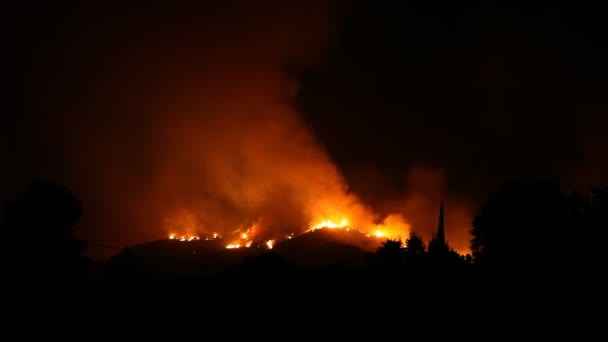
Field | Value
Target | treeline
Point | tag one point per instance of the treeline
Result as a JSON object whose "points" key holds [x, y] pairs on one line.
{"points": [[530, 229]]}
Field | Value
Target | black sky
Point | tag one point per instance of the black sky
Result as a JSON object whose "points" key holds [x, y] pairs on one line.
{"points": [[483, 92], [448, 98]]}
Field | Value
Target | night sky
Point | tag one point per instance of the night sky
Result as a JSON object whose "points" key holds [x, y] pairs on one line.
{"points": [[481, 92], [215, 114]]}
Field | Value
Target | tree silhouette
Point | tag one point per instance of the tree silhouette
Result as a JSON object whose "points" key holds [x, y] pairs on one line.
{"points": [[38, 225], [391, 252], [523, 225], [414, 244], [590, 213]]}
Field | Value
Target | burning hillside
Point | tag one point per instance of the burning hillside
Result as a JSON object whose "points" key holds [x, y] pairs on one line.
{"points": [[249, 237], [182, 256]]}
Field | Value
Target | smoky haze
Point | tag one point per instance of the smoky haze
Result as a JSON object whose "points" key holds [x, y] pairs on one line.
{"points": [[179, 119]]}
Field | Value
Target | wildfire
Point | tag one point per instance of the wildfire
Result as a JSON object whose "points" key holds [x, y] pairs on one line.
{"points": [[343, 225], [187, 237], [389, 228], [330, 224], [244, 239], [183, 237]]}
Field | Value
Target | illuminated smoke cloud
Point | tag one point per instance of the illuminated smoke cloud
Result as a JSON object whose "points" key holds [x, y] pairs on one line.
{"points": [[187, 126]]}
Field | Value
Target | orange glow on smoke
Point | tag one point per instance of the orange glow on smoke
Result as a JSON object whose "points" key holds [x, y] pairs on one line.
{"points": [[243, 239], [330, 224], [393, 227]]}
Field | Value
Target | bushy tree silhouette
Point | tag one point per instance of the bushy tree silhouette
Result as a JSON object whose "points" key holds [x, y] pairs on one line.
{"points": [[391, 252], [38, 227], [522, 226], [438, 247], [590, 213], [414, 244]]}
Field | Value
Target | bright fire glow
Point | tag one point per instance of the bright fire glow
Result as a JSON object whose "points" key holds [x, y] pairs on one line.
{"points": [[183, 237], [392, 227], [244, 239], [213, 237], [330, 224]]}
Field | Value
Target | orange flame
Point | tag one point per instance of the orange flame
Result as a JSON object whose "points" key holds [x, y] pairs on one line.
{"points": [[183, 237], [244, 239], [393, 226], [330, 224]]}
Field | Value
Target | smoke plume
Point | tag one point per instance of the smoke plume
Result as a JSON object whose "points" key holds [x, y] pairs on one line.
{"points": [[187, 125]]}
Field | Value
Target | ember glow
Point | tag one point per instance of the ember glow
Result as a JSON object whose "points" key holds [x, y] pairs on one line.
{"points": [[193, 237], [183, 237], [268, 244], [244, 239], [393, 226]]}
